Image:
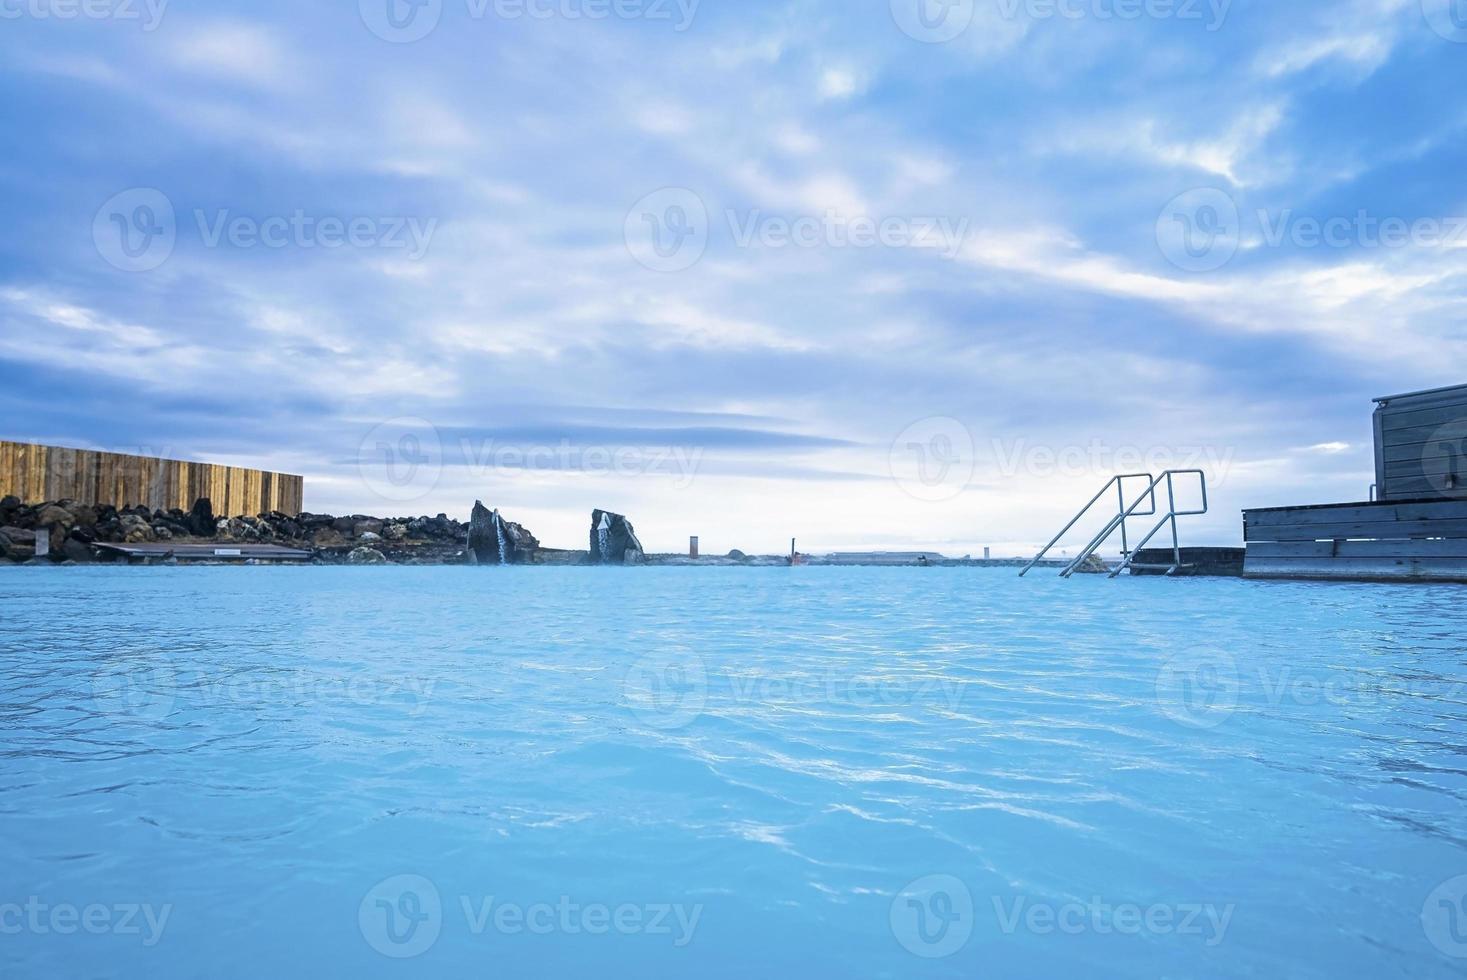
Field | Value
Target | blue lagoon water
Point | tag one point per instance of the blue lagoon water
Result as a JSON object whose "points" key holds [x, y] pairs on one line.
{"points": [[807, 772]]}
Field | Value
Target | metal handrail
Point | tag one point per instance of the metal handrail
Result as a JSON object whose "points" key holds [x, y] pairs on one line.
{"points": [[1171, 515], [1119, 482], [1110, 528]]}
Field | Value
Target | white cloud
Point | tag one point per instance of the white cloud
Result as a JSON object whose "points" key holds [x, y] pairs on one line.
{"points": [[840, 83], [233, 50]]}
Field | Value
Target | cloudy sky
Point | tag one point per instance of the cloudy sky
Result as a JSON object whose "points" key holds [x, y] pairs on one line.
{"points": [[876, 273]]}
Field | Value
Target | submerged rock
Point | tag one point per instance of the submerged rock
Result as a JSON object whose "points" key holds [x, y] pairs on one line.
{"points": [[366, 556], [614, 541], [495, 541]]}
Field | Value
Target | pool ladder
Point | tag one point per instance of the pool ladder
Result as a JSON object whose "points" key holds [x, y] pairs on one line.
{"points": [[1125, 513]]}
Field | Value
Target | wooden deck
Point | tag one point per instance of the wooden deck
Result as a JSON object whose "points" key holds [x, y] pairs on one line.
{"points": [[206, 552], [1406, 540]]}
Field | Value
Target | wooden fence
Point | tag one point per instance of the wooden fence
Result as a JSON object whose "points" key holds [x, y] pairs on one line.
{"points": [[37, 474]]}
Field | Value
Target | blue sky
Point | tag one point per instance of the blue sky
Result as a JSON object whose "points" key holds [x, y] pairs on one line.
{"points": [[746, 269]]}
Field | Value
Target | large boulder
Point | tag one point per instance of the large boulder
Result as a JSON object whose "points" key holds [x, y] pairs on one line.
{"points": [[614, 541], [366, 556], [17, 544], [366, 525], [201, 521], [136, 530], [53, 515], [77, 551], [495, 541]]}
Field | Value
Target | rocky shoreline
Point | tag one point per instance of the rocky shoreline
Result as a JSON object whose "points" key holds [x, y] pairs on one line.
{"points": [[69, 533]]}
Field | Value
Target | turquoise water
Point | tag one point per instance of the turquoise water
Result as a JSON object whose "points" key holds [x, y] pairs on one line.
{"points": [[813, 772]]}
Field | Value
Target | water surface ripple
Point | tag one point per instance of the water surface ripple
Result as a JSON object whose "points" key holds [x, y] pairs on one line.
{"points": [[728, 772]]}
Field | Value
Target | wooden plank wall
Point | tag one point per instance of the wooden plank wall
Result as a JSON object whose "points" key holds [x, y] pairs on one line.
{"points": [[1416, 541], [37, 474], [1421, 446]]}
